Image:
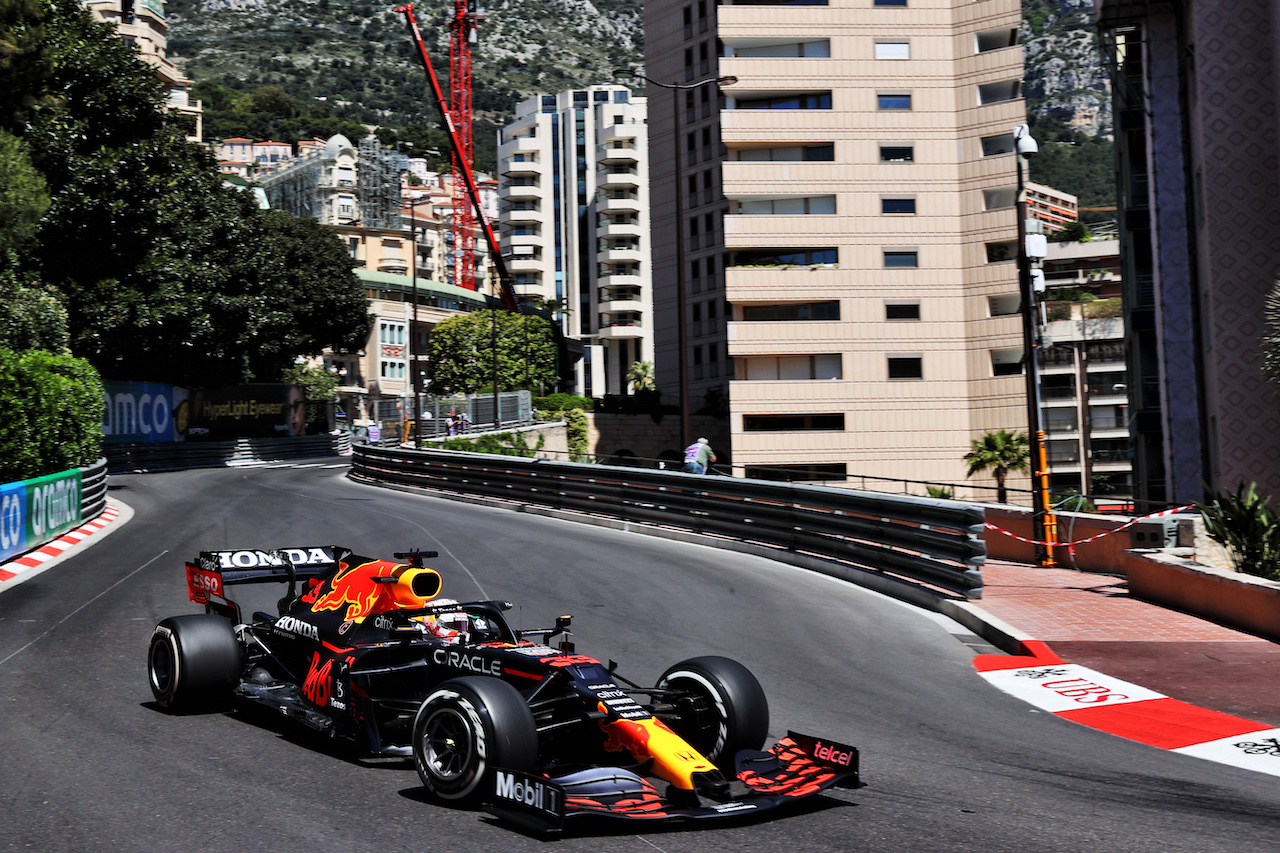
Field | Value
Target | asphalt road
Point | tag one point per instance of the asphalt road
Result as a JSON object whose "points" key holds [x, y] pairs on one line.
{"points": [[88, 763]]}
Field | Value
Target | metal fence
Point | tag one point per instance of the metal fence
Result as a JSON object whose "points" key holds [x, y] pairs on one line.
{"points": [[933, 541], [126, 458], [93, 490]]}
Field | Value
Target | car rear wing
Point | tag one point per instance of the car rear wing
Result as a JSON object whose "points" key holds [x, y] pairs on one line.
{"points": [[213, 571]]}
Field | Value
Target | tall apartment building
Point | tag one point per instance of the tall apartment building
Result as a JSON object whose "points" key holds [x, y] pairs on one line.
{"points": [[142, 24], [1084, 380], [574, 189], [846, 212], [1196, 107]]}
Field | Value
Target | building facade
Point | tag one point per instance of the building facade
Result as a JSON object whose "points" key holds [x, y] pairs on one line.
{"points": [[574, 190], [1084, 379], [1195, 96], [835, 229], [142, 24]]}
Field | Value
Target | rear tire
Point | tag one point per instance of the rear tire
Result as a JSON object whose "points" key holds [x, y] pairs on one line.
{"points": [[464, 729], [193, 662], [721, 707]]}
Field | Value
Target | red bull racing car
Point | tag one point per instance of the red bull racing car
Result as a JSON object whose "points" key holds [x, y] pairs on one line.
{"points": [[514, 720]]}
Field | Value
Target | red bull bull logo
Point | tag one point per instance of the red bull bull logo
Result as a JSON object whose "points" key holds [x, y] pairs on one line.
{"points": [[375, 587]]}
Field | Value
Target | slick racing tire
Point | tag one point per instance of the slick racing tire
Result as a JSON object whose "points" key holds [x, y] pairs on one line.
{"points": [[465, 728], [720, 707], [193, 662]]}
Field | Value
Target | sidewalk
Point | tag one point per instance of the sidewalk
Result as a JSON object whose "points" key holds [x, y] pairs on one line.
{"points": [[1091, 620]]}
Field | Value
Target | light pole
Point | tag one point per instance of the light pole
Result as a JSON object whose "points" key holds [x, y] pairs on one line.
{"points": [[413, 332], [682, 328], [1046, 524]]}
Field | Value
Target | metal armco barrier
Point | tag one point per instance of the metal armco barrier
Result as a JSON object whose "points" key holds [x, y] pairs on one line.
{"points": [[93, 490], [933, 541], [125, 458]]}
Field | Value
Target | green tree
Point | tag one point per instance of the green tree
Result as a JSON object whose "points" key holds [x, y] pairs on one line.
{"points": [[24, 195], [53, 407], [461, 352], [640, 375], [168, 273], [999, 452], [1271, 337]]}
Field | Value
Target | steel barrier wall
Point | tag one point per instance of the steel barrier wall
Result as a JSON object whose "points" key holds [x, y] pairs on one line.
{"points": [[928, 540], [93, 490], [125, 458]]}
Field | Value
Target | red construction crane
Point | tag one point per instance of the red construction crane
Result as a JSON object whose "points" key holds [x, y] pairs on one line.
{"points": [[462, 169], [462, 32]]}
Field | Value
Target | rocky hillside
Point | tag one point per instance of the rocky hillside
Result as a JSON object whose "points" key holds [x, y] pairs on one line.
{"points": [[358, 54], [1065, 78]]}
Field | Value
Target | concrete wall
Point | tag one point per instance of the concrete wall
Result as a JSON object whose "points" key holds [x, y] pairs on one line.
{"points": [[1239, 601], [1103, 555], [644, 438]]}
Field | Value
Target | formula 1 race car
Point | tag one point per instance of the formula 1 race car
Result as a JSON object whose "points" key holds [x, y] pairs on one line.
{"points": [[536, 734]]}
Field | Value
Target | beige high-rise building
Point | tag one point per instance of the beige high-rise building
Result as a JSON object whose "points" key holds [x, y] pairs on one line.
{"points": [[847, 229], [142, 24]]}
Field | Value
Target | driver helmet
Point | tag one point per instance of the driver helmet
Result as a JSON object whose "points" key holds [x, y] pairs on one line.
{"points": [[448, 625]]}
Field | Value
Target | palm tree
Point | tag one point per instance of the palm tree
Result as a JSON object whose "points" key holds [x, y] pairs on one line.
{"points": [[640, 375], [999, 452]]}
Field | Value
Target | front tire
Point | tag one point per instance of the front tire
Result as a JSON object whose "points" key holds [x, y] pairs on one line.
{"points": [[721, 707], [193, 662], [464, 729]]}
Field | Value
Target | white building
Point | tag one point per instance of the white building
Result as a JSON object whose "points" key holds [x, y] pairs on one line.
{"points": [[574, 184]]}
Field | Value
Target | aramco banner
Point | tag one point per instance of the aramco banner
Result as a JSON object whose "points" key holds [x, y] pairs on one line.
{"points": [[144, 413], [36, 511]]}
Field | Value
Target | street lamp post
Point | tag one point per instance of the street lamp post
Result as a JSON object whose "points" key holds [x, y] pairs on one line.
{"points": [[682, 321], [413, 332], [1045, 521]]}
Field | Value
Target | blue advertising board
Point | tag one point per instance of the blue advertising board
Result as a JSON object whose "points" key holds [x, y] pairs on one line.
{"points": [[143, 413]]}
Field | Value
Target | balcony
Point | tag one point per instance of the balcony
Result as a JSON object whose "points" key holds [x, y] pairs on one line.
{"points": [[617, 255], [519, 145], [609, 228], [619, 178], [620, 329], [629, 203], [620, 279], [525, 167]]}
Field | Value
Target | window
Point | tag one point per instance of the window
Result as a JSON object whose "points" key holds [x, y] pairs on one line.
{"points": [[391, 333], [792, 423], [898, 205], [893, 101], [994, 93], [1006, 250], [999, 198], [825, 152], [994, 145], [391, 369], [814, 472], [818, 48], [802, 101], [893, 50], [1006, 362], [791, 311], [995, 39], [897, 153], [821, 204], [888, 2], [901, 259], [1004, 305], [792, 367], [906, 367], [781, 257], [902, 310]]}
